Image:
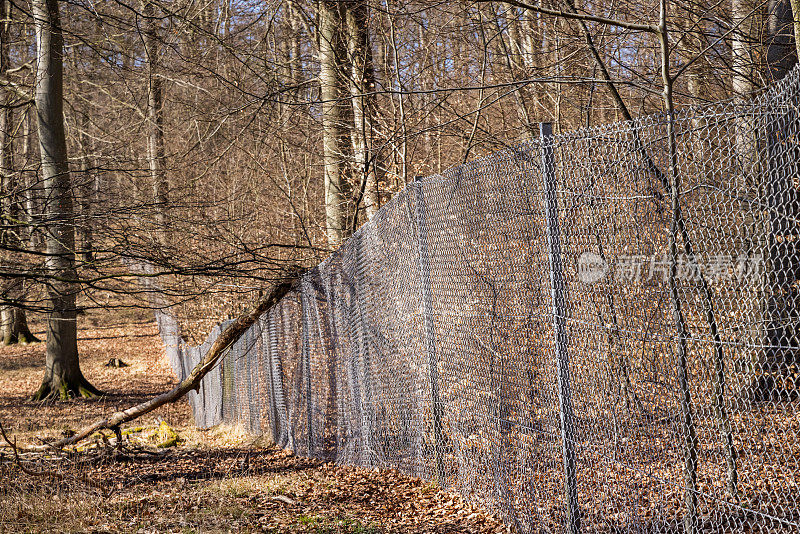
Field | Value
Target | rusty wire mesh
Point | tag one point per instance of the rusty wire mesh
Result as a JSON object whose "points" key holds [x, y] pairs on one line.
{"points": [[518, 330]]}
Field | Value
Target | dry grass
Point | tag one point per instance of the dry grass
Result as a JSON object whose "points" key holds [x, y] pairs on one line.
{"points": [[220, 480]]}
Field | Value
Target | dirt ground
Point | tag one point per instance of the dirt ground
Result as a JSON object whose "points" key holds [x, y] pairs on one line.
{"points": [[220, 480]]}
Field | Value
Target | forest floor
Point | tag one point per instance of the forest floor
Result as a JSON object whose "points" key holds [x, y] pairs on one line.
{"points": [[221, 480]]}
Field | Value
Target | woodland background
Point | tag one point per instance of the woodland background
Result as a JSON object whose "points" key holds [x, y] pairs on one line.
{"points": [[218, 141]]}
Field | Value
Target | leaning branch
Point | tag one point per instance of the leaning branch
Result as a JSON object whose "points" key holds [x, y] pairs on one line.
{"points": [[192, 382]]}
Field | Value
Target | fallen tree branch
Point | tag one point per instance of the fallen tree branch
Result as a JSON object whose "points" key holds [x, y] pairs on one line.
{"points": [[192, 382], [104, 491]]}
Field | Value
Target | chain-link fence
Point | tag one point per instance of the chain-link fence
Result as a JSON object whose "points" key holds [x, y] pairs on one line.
{"points": [[522, 330]]}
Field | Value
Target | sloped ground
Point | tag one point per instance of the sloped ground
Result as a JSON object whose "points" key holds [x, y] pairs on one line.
{"points": [[215, 481]]}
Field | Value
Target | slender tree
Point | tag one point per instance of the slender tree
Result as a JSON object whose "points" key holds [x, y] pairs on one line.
{"points": [[155, 118], [13, 321]]}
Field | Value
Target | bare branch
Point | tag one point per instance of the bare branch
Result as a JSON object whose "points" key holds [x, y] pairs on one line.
{"points": [[580, 16], [192, 382]]}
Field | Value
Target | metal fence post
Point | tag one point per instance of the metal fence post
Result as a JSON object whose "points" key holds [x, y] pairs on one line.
{"points": [[248, 361], [559, 325], [272, 349], [284, 436], [305, 354], [426, 300], [362, 364]]}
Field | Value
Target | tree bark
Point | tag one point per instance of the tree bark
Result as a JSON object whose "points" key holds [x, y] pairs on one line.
{"points": [[15, 327], [781, 52], [782, 320], [743, 83], [63, 377], [13, 322], [517, 69], [84, 192], [362, 80], [155, 122], [33, 193], [335, 135], [7, 204]]}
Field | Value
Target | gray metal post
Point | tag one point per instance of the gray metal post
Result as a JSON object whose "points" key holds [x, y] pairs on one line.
{"points": [[272, 349], [363, 356], [305, 354], [255, 380], [428, 326], [284, 435], [557, 293], [248, 360]]}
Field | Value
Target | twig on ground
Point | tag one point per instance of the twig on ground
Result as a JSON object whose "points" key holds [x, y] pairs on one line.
{"points": [[104, 491]]}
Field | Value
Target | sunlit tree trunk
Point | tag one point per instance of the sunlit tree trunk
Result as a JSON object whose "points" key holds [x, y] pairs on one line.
{"points": [[63, 377], [7, 205], [13, 322], [743, 82], [362, 80], [516, 52], [15, 326], [335, 134], [155, 121]]}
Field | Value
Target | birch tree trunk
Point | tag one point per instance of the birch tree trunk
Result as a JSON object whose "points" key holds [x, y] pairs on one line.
{"points": [[743, 83]]}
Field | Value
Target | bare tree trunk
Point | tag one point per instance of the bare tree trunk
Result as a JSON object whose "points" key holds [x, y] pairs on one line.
{"points": [[15, 327], [362, 80], [743, 82], [690, 445], [32, 185], [335, 137], [6, 138], [13, 322], [155, 121], [295, 46], [696, 80], [781, 52], [780, 279], [516, 67], [84, 190], [400, 100], [63, 377]]}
